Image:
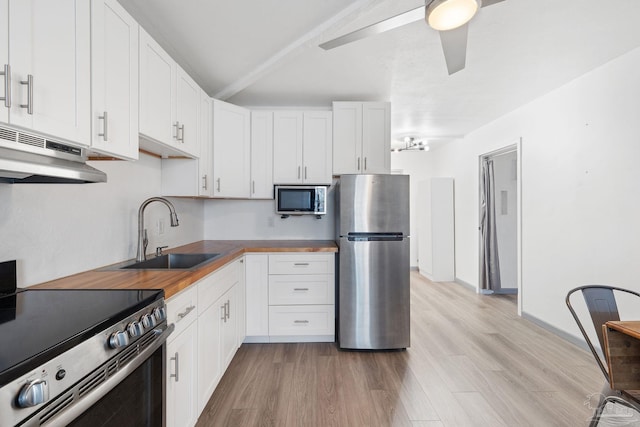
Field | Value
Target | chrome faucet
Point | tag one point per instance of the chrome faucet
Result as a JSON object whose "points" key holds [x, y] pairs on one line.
{"points": [[142, 232]]}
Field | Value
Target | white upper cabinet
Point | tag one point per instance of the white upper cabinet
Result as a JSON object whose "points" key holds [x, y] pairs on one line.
{"points": [[302, 147], [261, 155], [169, 103], [114, 68], [317, 147], [205, 161], [187, 112], [231, 150], [361, 137], [157, 92], [49, 58]]}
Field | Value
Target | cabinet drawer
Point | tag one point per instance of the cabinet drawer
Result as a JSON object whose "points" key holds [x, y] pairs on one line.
{"points": [[182, 310], [303, 263], [217, 283], [301, 289], [301, 320]]}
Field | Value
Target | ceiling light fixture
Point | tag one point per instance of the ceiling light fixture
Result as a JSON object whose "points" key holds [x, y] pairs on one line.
{"points": [[410, 144], [443, 15]]}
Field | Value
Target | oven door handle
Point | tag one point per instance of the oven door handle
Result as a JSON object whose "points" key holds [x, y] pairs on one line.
{"points": [[75, 410]]}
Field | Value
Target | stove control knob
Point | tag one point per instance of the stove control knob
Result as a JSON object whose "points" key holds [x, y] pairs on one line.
{"points": [[118, 339], [33, 393], [135, 329], [160, 313], [148, 321]]}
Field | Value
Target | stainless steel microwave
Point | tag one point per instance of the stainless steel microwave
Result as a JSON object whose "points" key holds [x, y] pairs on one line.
{"points": [[301, 199]]}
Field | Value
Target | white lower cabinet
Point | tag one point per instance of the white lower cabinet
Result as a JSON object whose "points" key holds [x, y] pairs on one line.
{"points": [[209, 321], [290, 297], [181, 364]]}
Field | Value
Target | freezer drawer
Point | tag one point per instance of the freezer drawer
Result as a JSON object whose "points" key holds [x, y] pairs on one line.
{"points": [[374, 294]]}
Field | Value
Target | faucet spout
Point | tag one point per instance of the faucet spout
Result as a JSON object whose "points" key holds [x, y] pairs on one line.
{"points": [[141, 254]]}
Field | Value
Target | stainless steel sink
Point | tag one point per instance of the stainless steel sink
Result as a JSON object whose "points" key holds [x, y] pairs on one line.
{"points": [[169, 262]]}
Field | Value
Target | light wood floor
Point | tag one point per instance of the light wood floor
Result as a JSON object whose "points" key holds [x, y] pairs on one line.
{"points": [[472, 362]]}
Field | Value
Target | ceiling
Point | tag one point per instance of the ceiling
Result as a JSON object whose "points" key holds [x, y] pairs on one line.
{"points": [[264, 53]]}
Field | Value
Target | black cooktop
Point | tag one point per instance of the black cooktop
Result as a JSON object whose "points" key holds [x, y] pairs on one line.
{"points": [[38, 324]]}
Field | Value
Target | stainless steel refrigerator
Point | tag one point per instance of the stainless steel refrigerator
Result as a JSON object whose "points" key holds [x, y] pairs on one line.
{"points": [[373, 287]]}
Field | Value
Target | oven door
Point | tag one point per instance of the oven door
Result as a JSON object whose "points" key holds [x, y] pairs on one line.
{"points": [[132, 396]]}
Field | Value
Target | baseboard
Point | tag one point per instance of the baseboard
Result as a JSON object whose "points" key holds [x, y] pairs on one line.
{"points": [[465, 284], [580, 342]]}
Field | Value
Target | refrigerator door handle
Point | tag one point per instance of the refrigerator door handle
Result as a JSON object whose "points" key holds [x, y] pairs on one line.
{"points": [[377, 237]]}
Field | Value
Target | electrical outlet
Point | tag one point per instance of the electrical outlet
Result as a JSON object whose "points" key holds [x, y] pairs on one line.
{"points": [[160, 226]]}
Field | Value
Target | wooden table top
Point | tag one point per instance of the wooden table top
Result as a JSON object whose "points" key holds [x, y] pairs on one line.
{"points": [[174, 281], [627, 327]]}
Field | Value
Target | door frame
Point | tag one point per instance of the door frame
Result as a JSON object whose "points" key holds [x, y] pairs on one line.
{"points": [[517, 147]]}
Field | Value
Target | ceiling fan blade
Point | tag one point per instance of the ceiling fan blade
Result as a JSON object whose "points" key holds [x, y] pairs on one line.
{"points": [[486, 3], [404, 18], [454, 46]]}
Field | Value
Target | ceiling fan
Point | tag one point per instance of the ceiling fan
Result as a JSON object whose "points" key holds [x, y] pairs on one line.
{"points": [[449, 17]]}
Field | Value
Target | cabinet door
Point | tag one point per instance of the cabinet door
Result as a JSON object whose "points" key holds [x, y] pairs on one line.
{"points": [[114, 68], [209, 351], [257, 295], [376, 137], [287, 147], [49, 45], [187, 112], [205, 161], [231, 145], [261, 155], [347, 137], [181, 378], [157, 92], [5, 79], [229, 331], [317, 147]]}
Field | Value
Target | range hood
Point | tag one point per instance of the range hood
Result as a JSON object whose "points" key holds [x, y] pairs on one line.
{"points": [[30, 159]]}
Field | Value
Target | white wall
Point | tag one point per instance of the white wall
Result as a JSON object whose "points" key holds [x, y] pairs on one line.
{"points": [[54, 230], [416, 164], [580, 188], [256, 219]]}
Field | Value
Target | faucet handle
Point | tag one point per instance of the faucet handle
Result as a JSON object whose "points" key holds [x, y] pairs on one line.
{"points": [[159, 250]]}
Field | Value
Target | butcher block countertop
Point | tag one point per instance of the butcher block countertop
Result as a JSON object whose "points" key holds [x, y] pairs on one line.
{"points": [[173, 281]]}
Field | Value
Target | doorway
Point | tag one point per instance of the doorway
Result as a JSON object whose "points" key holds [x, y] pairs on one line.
{"points": [[500, 183]]}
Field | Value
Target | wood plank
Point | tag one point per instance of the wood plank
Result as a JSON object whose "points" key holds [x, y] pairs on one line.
{"points": [[622, 351]]}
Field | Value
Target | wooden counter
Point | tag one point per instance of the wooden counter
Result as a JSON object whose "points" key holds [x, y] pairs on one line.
{"points": [[622, 351], [173, 281]]}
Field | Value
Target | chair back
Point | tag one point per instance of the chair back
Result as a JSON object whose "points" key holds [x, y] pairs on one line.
{"points": [[601, 303]]}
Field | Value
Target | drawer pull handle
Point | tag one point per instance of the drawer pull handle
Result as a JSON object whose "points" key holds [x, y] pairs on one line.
{"points": [[300, 289], [301, 264], [187, 311], [301, 321], [176, 365]]}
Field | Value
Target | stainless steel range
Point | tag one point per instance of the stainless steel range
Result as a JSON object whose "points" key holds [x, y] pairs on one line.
{"points": [[82, 357]]}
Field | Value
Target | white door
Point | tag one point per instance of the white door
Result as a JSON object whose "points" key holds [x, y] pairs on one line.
{"points": [[257, 295], [229, 337], [4, 62], [114, 80], [157, 92], [261, 155], [205, 161], [317, 147], [231, 146], [187, 112], [347, 137], [376, 138], [182, 379], [209, 363], [287, 147], [49, 46]]}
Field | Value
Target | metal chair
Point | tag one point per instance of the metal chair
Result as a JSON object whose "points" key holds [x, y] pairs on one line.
{"points": [[601, 304], [619, 413]]}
